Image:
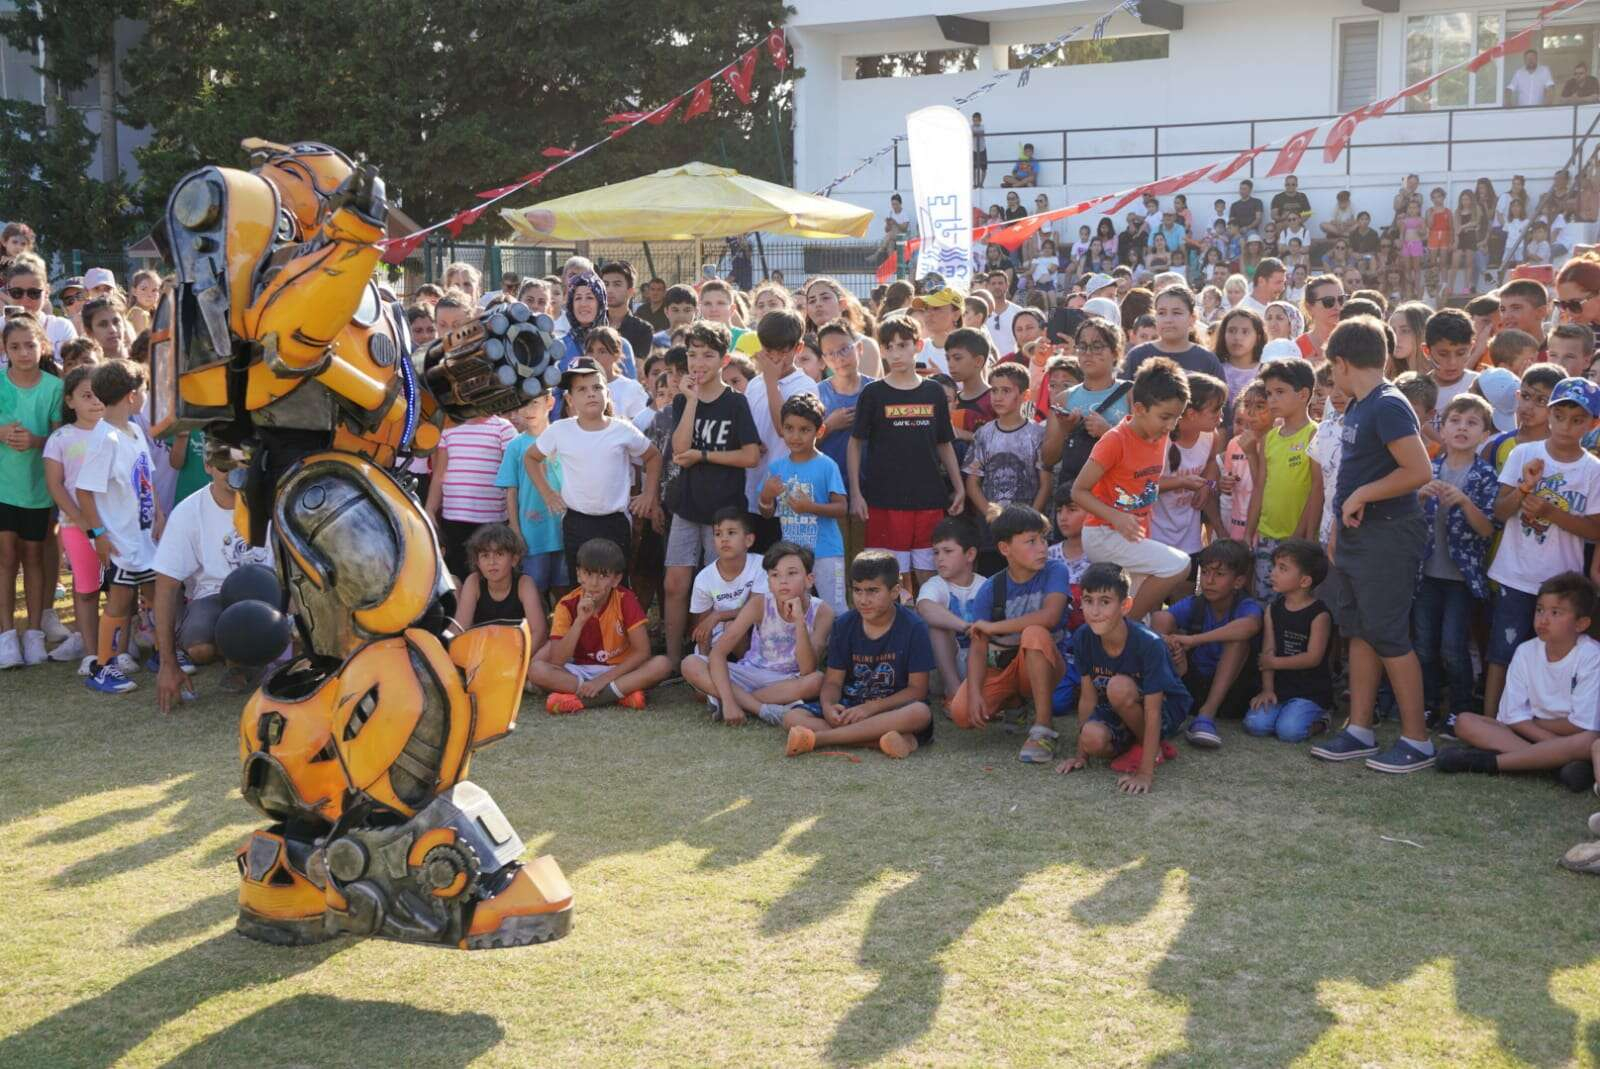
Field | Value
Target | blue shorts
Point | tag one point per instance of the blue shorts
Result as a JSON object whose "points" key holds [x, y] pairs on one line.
{"points": [[546, 569], [1173, 714], [1511, 623]]}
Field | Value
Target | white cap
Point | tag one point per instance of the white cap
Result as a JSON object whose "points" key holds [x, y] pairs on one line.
{"points": [[1105, 308], [1098, 281], [98, 276], [1280, 349]]}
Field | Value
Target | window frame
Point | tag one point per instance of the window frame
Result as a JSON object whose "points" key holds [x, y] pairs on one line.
{"points": [[1338, 71]]}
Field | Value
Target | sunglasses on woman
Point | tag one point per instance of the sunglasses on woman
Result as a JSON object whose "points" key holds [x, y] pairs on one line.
{"points": [[18, 293], [1336, 301], [1571, 307]]}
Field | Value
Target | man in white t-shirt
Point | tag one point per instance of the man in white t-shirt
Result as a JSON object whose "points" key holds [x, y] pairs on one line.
{"points": [[998, 283], [199, 548], [1271, 277], [780, 333], [1530, 86]]}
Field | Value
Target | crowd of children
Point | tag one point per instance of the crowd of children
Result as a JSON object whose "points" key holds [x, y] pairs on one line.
{"points": [[856, 527]]}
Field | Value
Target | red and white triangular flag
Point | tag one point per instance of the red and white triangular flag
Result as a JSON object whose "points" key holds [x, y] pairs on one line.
{"points": [[699, 101], [1289, 156], [740, 76], [776, 48]]}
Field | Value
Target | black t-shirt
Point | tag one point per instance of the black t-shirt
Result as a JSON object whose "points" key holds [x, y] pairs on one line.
{"points": [[1196, 358], [1018, 212], [1581, 87], [1364, 242], [722, 425], [1242, 212], [637, 333], [1295, 202], [904, 429], [656, 317], [1291, 636]]}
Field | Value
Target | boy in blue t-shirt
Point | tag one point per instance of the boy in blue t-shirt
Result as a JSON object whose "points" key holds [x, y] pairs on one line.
{"points": [[875, 687], [1131, 701], [805, 490], [1018, 644], [544, 560], [1214, 638]]}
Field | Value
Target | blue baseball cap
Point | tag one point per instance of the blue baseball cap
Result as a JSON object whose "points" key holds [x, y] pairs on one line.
{"points": [[1577, 391]]}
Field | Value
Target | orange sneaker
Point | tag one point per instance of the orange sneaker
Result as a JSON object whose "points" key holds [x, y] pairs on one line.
{"points": [[896, 745], [560, 704], [632, 700], [801, 741]]}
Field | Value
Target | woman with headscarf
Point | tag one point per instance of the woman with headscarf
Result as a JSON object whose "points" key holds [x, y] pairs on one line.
{"points": [[586, 309]]}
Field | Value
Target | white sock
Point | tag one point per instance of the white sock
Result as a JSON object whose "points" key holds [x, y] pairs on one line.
{"points": [[1424, 746], [1364, 735]]}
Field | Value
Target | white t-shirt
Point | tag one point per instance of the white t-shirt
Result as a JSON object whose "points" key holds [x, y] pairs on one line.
{"points": [[931, 355], [957, 599], [712, 593], [57, 329], [628, 398], [596, 466], [1532, 551], [201, 547], [68, 445], [1000, 328], [644, 418], [1249, 301], [1539, 689], [117, 468], [1450, 393], [1529, 86], [755, 396]]}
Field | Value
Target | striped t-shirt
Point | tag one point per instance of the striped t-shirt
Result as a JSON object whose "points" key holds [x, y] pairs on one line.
{"points": [[475, 449]]}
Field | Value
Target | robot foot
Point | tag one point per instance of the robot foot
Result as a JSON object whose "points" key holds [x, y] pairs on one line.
{"points": [[278, 903], [534, 906]]}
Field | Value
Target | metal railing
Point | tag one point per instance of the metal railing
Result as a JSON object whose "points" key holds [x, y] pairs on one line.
{"points": [[1457, 134]]}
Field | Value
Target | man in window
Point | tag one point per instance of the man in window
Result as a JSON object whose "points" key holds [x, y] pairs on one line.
{"points": [[1530, 86], [1582, 87], [1245, 213], [1291, 207]]}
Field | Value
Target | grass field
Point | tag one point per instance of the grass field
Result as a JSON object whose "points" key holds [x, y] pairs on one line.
{"points": [[736, 908]]}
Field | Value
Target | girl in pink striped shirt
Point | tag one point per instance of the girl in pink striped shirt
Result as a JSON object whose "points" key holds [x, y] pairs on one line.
{"points": [[462, 495]]}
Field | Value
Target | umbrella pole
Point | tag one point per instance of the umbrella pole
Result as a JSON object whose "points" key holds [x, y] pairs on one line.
{"points": [[649, 261], [699, 255], [761, 250]]}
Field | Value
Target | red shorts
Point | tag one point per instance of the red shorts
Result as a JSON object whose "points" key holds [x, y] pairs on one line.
{"points": [[902, 530]]}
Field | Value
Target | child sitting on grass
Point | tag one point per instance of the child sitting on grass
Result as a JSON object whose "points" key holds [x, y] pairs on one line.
{"points": [[947, 602], [1212, 638], [722, 587], [1296, 685], [598, 652], [787, 627], [876, 684], [1020, 634], [1131, 701], [1549, 716], [496, 591]]}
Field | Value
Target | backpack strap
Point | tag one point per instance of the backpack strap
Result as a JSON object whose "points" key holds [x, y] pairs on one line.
{"points": [[1112, 398], [997, 590]]}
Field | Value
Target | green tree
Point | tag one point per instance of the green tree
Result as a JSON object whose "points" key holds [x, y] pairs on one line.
{"points": [[449, 99]]}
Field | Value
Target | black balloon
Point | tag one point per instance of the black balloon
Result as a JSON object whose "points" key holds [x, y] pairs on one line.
{"points": [[252, 582], [251, 632]]}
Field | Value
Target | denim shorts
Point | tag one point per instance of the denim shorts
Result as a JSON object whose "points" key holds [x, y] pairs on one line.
{"points": [[1511, 623], [546, 570], [1173, 714]]}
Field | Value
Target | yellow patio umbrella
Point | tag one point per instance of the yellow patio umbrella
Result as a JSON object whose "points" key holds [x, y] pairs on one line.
{"points": [[687, 203]]}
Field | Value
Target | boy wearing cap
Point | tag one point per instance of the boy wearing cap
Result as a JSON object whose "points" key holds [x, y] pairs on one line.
{"points": [[939, 313], [597, 453], [99, 281], [1549, 501]]}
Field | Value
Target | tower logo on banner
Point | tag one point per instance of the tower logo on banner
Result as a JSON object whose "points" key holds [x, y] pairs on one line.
{"points": [[940, 143]]}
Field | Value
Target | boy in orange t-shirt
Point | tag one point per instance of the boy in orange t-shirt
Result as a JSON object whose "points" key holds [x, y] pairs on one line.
{"points": [[599, 650], [1121, 479]]}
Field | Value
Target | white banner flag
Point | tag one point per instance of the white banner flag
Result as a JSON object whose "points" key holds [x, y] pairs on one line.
{"points": [[940, 143]]}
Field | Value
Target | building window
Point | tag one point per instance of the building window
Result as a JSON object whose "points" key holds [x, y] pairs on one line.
{"points": [[1435, 42], [1358, 64], [1079, 53], [911, 64]]}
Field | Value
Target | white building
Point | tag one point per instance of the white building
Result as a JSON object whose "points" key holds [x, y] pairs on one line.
{"points": [[1187, 82]]}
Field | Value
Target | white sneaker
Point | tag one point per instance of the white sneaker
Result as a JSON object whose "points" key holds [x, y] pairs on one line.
{"points": [[86, 666], [33, 647], [10, 650], [54, 630], [70, 650], [125, 663]]}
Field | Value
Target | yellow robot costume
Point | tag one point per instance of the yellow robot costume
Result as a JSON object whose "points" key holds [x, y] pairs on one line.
{"points": [[275, 338]]}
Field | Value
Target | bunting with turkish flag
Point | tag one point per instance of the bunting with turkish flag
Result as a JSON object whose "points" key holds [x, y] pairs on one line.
{"points": [[1238, 163], [699, 101], [664, 112], [1289, 156], [740, 76], [776, 48]]}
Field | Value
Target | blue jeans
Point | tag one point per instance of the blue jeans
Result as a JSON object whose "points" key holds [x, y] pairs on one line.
{"points": [[1290, 720], [1441, 621]]}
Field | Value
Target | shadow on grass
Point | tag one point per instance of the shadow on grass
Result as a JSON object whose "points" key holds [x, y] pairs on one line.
{"points": [[322, 1030], [99, 1031]]}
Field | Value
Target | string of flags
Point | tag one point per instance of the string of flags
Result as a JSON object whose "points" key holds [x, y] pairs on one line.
{"points": [[1288, 151], [738, 74]]}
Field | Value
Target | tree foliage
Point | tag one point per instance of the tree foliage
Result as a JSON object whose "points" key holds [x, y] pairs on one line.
{"points": [[45, 171], [449, 99]]}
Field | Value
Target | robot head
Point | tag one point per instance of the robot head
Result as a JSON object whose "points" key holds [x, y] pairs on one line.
{"points": [[305, 174]]}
